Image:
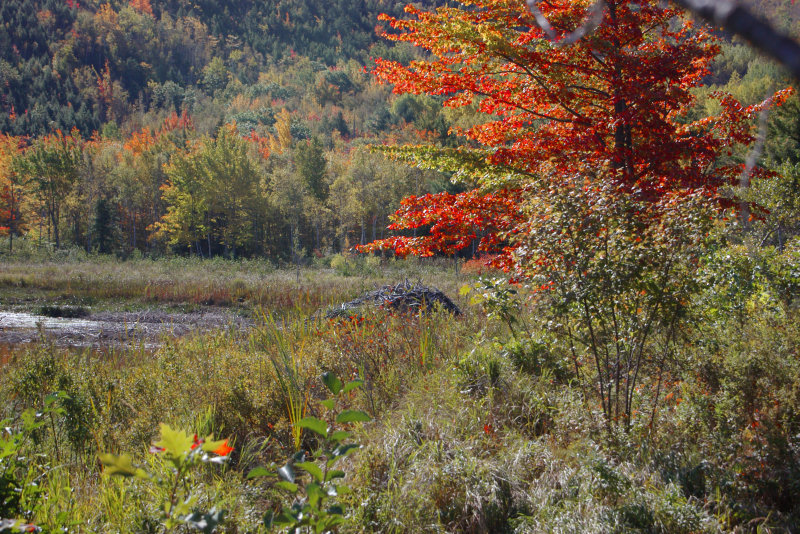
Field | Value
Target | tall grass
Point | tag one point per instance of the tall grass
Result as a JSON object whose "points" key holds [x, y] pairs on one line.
{"points": [[475, 430], [190, 282]]}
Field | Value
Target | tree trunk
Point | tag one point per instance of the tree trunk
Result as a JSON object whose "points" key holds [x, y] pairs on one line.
{"points": [[54, 217]]}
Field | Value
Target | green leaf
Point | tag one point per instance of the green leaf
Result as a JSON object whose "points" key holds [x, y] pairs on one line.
{"points": [[311, 468], [258, 472], [343, 490], [286, 473], [282, 519], [206, 523], [328, 403], [315, 425], [333, 384], [344, 450], [333, 474], [183, 508], [352, 416], [350, 386], [175, 442], [121, 466], [340, 435], [269, 519], [337, 510], [314, 492], [288, 486], [333, 521], [211, 446], [31, 420]]}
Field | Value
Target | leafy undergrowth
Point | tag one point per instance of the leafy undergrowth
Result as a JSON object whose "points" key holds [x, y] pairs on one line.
{"points": [[480, 424]]}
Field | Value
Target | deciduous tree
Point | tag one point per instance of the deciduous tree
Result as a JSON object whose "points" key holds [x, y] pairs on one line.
{"points": [[12, 188], [53, 163], [587, 170]]}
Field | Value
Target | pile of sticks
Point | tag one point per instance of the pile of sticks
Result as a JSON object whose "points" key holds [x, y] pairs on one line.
{"points": [[405, 297]]}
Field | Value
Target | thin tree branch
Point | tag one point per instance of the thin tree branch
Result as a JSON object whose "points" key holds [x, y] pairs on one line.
{"points": [[738, 20]]}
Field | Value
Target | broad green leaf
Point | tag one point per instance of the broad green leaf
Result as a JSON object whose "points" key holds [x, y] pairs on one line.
{"points": [[333, 384], [312, 469], [314, 492], [258, 472], [343, 490], [121, 466], [183, 508], [340, 435], [282, 519], [31, 420], [315, 425], [330, 475], [328, 522], [328, 403], [352, 416], [350, 386], [288, 486], [175, 442], [334, 521]]}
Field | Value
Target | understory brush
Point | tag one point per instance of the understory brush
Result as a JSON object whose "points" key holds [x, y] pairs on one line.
{"points": [[253, 389], [487, 422]]}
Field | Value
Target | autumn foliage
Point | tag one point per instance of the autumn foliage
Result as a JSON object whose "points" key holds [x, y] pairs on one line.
{"points": [[590, 173], [142, 6], [454, 221], [615, 108]]}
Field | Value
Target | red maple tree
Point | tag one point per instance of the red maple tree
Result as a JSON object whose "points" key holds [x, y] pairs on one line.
{"points": [[614, 108], [142, 6]]}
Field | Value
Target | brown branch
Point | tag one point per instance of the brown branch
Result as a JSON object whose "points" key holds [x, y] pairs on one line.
{"points": [[738, 20]]}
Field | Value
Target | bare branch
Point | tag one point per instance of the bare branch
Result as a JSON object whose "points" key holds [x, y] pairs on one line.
{"points": [[731, 15], [594, 16], [738, 20]]}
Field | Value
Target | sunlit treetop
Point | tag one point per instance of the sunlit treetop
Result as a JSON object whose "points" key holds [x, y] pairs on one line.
{"points": [[612, 107]]}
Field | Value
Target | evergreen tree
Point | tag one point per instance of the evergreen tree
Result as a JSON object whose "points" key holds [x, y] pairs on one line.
{"points": [[103, 226]]}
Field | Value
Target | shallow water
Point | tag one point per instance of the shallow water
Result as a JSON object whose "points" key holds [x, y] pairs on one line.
{"points": [[16, 320], [109, 329], [18, 328]]}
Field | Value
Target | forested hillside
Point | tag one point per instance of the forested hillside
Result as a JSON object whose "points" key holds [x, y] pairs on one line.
{"points": [[114, 112], [236, 128], [80, 64]]}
